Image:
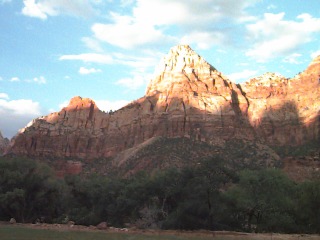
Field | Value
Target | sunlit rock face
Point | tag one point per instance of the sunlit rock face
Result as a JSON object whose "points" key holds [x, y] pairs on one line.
{"points": [[187, 97], [73, 131], [198, 101], [285, 111]]}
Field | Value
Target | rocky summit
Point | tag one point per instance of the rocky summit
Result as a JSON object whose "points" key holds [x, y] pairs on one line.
{"points": [[187, 98]]}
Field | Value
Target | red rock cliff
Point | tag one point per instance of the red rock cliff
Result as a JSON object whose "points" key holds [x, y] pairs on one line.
{"points": [[187, 98]]}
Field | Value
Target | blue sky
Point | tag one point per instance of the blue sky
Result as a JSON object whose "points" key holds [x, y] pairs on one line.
{"points": [[107, 50]]}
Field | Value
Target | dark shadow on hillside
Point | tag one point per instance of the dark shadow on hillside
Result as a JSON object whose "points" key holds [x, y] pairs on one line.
{"points": [[186, 139], [282, 125], [228, 129]]}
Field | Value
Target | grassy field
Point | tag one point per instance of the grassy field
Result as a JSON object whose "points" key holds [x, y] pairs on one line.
{"points": [[9, 232]]}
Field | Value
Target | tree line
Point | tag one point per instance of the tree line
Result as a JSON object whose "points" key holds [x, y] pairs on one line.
{"points": [[209, 196]]}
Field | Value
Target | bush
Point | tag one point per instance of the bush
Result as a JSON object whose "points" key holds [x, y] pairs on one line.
{"points": [[29, 191]]}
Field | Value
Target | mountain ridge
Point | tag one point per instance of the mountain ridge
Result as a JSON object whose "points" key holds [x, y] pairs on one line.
{"points": [[187, 98]]}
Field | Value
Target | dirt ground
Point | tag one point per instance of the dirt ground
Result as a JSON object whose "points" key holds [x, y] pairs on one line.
{"points": [[200, 233]]}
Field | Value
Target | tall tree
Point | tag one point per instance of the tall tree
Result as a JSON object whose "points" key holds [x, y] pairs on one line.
{"points": [[263, 200]]}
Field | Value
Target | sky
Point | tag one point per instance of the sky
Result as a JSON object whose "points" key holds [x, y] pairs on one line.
{"points": [[107, 50]]}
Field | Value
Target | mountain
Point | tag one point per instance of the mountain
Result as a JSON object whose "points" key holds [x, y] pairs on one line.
{"points": [[4, 143], [187, 99]]}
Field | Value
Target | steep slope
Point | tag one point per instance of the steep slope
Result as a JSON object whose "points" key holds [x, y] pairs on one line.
{"points": [[71, 132], [161, 153], [285, 111], [200, 102], [187, 98], [4, 143]]}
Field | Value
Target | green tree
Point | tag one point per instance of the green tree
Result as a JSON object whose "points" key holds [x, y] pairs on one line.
{"points": [[263, 201], [308, 206], [197, 196], [28, 191]]}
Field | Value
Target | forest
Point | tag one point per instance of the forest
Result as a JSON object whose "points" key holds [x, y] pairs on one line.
{"points": [[210, 196]]}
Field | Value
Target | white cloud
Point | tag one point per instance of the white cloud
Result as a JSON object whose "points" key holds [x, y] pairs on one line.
{"points": [[154, 10], [136, 81], [37, 10], [15, 114], [273, 36], [125, 3], [106, 105], [191, 12], [292, 58], [84, 70], [89, 57], [151, 20], [150, 59], [44, 8], [40, 80], [92, 44], [20, 107], [243, 75], [4, 96], [14, 79], [126, 33], [1, 79], [143, 66], [204, 39], [315, 54]]}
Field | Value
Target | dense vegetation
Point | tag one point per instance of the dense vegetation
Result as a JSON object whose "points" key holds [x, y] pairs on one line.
{"points": [[209, 196]]}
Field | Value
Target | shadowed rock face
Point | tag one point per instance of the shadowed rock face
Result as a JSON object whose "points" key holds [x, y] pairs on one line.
{"points": [[285, 111], [186, 98], [4, 143]]}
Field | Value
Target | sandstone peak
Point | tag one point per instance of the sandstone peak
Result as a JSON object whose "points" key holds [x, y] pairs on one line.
{"points": [[81, 103], [267, 79], [182, 62], [182, 58], [187, 98], [316, 60], [314, 67]]}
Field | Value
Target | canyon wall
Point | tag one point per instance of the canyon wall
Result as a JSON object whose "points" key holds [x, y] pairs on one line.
{"points": [[186, 98]]}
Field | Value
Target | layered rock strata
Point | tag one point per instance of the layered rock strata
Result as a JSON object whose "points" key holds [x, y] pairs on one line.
{"points": [[187, 98]]}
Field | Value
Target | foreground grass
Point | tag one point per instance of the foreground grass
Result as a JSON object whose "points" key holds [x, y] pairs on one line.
{"points": [[23, 233], [9, 232]]}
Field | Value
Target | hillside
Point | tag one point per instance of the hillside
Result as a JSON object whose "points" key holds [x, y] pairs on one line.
{"points": [[190, 100], [4, 143]]}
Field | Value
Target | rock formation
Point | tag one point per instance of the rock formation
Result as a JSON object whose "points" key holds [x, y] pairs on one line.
{"points": [[285, 111], [186, 98], [4, 143], [74, 131]]}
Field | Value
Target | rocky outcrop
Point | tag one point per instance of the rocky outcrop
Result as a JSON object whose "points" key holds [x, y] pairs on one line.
{"points": [[75, 131], [285, 111], [4, 143], [186, 98]]}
